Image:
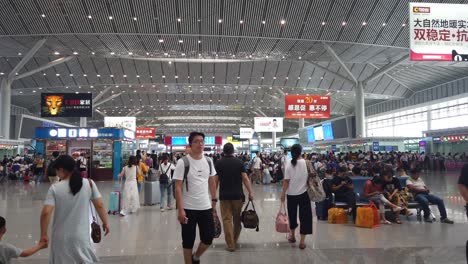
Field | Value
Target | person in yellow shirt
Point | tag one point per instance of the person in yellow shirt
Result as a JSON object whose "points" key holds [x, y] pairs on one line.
{"points": [[142, 172]]}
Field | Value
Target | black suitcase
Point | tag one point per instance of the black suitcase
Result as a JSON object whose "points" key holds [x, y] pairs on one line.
{"points": [[321, 209]]}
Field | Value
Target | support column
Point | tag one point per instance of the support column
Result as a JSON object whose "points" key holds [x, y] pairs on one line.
{"points": [[429, 118], [301, 122], [359, 111], [83, 122], [5, 89], [273, 136]]}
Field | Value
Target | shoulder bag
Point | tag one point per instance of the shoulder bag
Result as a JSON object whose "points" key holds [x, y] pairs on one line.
{"points": [[314, 188], [95, 227]]}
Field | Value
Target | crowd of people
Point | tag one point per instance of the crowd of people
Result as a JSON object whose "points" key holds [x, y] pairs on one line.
{"points": [[199, 182]]}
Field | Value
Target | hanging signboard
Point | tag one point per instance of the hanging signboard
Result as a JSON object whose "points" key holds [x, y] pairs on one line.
{"points": [[438, 32], [268, 124], [306, 106], [128, 122], [246, 133], [145, 133], [66, 105]]}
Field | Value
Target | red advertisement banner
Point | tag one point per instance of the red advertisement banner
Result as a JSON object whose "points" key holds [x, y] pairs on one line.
{"points": [[145, 132], [306, 106]]}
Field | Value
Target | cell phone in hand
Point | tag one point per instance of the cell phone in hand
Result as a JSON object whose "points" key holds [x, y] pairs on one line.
{"points": [[186, 220]]}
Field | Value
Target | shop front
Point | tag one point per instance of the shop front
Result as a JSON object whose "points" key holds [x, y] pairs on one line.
{"points": [[106, 149], [11, 148]]}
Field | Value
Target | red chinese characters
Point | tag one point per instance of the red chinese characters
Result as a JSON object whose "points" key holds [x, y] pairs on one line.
{"points": [[307, 106]]}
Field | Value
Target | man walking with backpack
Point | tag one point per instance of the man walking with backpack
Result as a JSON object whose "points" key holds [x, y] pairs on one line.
{"points": [[165, 182], [194, 175], [231, 175]]}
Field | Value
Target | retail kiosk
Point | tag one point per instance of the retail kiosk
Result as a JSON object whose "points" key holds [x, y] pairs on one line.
{"points": [[108, 149]]}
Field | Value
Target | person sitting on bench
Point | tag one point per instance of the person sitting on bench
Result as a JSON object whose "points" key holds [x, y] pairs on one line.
{"points": [[373, 191], [422, 195], [343, 188]]}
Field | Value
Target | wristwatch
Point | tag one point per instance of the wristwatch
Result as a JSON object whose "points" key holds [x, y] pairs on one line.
{"points": [[214, 200]]}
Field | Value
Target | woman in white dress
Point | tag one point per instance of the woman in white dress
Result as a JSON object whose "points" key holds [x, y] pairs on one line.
{"points": [[70, 200], [131, 198]]}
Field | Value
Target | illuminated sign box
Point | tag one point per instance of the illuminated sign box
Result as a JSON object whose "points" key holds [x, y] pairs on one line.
{"points": [[82, 133], [66, 105]]}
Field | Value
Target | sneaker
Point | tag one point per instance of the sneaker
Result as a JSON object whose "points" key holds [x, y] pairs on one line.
{"points": [[122, 213], [169, 208], [195, 261], [427, 219], [162, 210], [446, 221]]}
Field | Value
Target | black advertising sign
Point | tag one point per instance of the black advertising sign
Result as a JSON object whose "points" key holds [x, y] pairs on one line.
{"points": [[66, 105]]}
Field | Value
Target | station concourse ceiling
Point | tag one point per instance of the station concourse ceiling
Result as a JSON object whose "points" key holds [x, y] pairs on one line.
{"points": [[213, 65]]}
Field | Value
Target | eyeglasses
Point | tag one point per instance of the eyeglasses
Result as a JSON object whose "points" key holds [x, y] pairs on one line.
{"points": [[198, 142]]}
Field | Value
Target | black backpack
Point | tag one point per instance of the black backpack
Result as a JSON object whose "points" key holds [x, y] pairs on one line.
{"points": [[164, 178]]}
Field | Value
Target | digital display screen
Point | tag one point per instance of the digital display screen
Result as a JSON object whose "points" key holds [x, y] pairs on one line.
{"points": [[209, 140], [327, 131], [289, 142], [310, 135], [179, 141], [254, 148], [318, 132]]}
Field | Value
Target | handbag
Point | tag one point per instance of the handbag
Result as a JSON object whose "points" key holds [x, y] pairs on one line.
{"points": [[249, 218], [95, 227], [282, 220], [365, 217], [217, 225], [337, 216], [314, 187]]}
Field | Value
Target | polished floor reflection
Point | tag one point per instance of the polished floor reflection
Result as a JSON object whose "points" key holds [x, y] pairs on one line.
{"points": [[151, 236]]}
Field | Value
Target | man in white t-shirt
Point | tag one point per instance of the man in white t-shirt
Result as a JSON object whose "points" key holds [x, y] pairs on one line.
{"points": [[422, 195], [257, 166], [193, 198]]}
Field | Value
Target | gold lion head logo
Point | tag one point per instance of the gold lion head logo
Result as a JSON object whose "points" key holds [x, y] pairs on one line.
{"points": [[54, 103]]}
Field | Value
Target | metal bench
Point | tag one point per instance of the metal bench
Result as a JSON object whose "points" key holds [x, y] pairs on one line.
{"points": [[360, 182]]}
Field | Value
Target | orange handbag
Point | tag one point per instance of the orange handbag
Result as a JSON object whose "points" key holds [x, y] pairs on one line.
{"points": [[365, 217], [337, 216]]}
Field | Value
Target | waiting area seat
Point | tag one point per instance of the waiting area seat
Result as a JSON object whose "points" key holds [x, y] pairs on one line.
{"points": [[360, 182]]}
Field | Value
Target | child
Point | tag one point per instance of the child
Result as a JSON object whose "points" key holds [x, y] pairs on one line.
{"points": [[8, 251]]}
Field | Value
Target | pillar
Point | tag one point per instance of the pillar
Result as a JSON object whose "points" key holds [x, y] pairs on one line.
{"points": [[359, 111], [301, 122], [429, 118], [83, 122], [273, 136], [5, 90]]}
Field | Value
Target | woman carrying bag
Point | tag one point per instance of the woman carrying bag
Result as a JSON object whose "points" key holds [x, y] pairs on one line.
{"points": [[70, 201], [295, 186], [131, 198]]}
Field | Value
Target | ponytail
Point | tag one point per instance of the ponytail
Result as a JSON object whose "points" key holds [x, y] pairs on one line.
{"points": [[76, 182], [296, 151]]}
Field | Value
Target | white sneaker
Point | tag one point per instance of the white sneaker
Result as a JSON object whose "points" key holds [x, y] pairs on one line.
{"points": [[162, 210], [122, 213]]}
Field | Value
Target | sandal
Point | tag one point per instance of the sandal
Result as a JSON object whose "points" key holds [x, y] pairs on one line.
{"points": [[302, 246], [291, 239], [385, 222]]}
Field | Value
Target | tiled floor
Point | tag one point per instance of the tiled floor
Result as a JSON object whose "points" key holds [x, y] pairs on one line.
{"points": [[154, 237]]}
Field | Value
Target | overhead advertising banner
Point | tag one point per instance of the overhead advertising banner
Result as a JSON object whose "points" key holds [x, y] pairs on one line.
{"points": [[306, 106], [246, 133], [66, 105], [268, 124], [438, 32], [375, 146], [128, 122], [145, 133]]}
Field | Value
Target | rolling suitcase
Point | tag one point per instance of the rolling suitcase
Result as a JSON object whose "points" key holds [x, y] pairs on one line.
{"points": [[152, 193], [321, 209], [115, 199]]}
